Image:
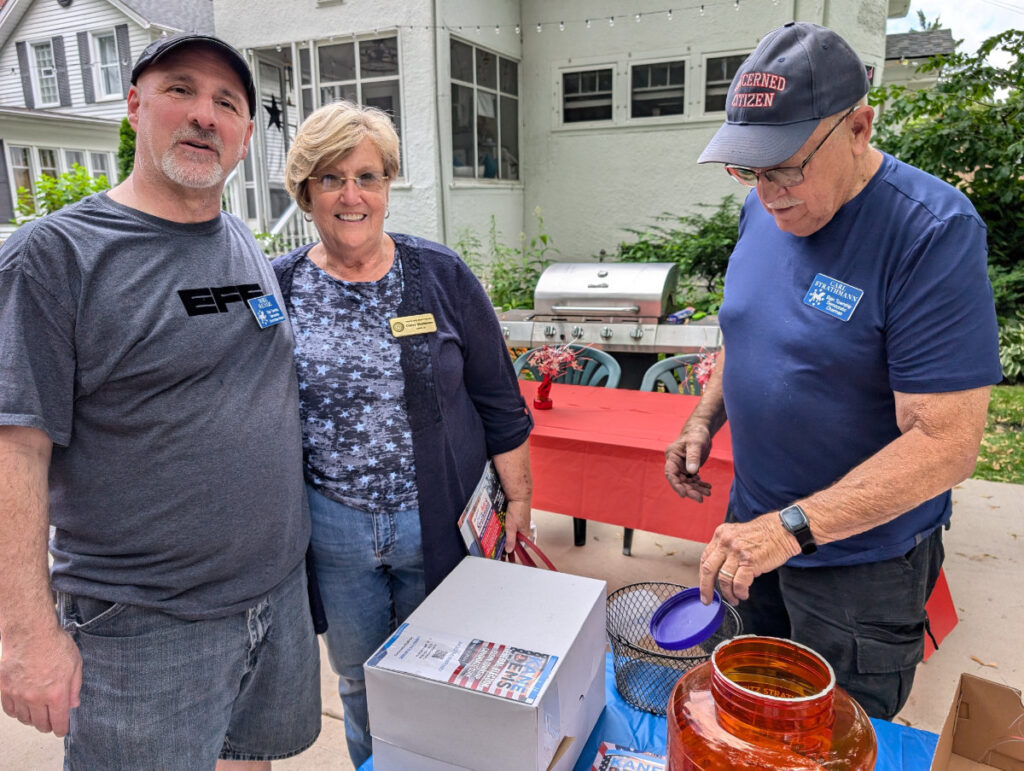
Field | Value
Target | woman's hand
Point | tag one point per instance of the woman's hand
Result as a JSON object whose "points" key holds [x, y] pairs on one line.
{"points": [[517, 520]]}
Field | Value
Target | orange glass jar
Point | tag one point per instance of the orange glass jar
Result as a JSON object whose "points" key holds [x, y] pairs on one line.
{"points": [[763, 702]]}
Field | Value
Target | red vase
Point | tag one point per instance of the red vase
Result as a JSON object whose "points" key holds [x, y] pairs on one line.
{"points": [[762, 702], [542, 400]]}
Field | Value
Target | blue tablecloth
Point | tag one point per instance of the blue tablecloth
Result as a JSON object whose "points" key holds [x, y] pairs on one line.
{"points": [[899, 748]]}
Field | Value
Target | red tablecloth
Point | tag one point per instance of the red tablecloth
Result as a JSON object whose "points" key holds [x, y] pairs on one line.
{"points": [[600, 454]]}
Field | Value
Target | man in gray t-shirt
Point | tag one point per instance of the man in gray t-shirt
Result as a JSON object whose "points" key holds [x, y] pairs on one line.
{"points": [[149, 413]]}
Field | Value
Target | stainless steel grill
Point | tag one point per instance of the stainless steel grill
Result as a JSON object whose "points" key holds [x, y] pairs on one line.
{"points": [[618, 307]]}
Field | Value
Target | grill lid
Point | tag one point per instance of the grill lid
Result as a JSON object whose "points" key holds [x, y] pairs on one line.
{"points": [[606, 290]]}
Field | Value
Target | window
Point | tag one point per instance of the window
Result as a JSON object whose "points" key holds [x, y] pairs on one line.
{"points": [[657, 89], [71, 157], [101, 166], [720, 71], [362, 71], [28, 164], [485, 113], [45, 75], [108, 68], [587, 95]]}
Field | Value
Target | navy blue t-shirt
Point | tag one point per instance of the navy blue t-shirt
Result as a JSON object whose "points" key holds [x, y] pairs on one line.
{"points": [[891, 295]]}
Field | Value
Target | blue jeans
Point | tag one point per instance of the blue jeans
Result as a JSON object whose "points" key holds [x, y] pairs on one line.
{"points": [[370, 571], [164, 692]]}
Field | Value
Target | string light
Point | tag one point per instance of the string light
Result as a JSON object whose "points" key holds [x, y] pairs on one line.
{"points": [[702, 10], [611, 21], [539, 28], [670, 14], [561, 26], [497, 29], [517, 29], [637, 18], [736, 5], [588, 23]]}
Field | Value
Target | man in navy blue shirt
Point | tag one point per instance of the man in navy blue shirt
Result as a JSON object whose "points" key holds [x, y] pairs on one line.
{"points": [[854, 280]]}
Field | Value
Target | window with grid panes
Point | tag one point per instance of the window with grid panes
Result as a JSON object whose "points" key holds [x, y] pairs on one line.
{"points": [[45, 74], [587, 95], [657, 89], [485, 113], [719, 74], [108, 69]]}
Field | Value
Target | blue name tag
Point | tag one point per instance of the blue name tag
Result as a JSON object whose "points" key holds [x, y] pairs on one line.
{"points": [[830, 295], [266, 310]]}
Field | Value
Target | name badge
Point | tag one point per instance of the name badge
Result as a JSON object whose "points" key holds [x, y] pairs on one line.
{"points": [[830, 295], [266, 310], [403, 326]]}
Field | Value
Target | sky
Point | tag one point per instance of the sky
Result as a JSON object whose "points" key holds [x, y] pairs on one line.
{"points": [[970, 20]]}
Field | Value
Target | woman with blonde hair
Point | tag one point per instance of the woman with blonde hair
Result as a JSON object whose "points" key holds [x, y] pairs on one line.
{"points": [[406, 390]]}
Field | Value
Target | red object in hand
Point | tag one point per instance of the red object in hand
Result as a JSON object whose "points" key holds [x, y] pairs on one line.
{"points": [[542, 401]]}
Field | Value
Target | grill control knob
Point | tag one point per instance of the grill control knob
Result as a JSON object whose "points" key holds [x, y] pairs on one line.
{"points": [[636, 333], [577, 332], [550, 330], [606, 333]]}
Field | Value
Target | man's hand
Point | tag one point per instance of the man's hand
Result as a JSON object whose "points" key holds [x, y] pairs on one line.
{"points": [[40, 679], [741, 551], [683, 459]]}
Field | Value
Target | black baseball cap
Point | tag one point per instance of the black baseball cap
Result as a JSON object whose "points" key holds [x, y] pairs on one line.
{"points": [[797, 75], [159, 48]]}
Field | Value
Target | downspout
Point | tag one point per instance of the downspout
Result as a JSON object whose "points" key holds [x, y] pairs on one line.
{"points": [[444, 201]]}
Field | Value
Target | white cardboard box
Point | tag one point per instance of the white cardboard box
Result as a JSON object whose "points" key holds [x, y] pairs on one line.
{"points": [[423, 723]]}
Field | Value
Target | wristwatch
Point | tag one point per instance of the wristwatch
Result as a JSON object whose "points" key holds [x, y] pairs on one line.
{"points": [[795, 521]]}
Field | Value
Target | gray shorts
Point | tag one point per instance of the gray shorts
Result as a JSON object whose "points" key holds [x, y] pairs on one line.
{"points": [[163, 692]]}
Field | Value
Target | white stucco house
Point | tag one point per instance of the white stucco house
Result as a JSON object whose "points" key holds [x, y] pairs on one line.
{"points": [[592, 110], [65, 67]]}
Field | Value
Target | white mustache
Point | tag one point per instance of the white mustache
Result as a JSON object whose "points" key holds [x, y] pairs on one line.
{"points": [[784, 203]]}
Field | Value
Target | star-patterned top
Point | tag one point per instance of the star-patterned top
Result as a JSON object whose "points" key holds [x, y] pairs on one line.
{"points": [[358, 444]]}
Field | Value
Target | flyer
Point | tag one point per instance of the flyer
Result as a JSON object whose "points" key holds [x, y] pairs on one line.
{"points": [[482, 523], [477, 665]]}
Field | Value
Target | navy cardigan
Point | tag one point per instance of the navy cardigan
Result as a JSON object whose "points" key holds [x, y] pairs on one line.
{"points": [[461, 392]]}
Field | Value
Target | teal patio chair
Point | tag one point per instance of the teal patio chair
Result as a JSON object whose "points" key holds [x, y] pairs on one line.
{"points": [[599, 369], [598, 366]]}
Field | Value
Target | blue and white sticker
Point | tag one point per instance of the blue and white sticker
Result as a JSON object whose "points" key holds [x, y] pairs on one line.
{"points": [[266, 310], [830, 295]]}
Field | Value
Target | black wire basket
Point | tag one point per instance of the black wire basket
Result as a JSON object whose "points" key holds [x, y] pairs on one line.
{"points": [[645, 673]]}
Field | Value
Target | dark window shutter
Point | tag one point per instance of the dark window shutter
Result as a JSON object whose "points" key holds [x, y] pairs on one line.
{"points": [[60, 62], [6, 204], [85, 60], [26, 75], [124, 56]]}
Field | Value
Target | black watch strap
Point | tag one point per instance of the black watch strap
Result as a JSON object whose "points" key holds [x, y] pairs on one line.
{"points": [[795, 521]]}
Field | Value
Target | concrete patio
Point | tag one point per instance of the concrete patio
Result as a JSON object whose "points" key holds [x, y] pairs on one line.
{"points": [[984, 567]]}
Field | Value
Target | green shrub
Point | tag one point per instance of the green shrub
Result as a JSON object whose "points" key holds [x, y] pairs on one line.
{"points": [[125, 150], [1011, 349], [700, 244], [508, 273], [53, 193]]}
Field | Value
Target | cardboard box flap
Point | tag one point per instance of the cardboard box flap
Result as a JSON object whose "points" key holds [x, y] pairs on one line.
{"points": [[985, 726]]}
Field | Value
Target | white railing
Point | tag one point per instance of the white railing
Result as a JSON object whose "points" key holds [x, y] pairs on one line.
{"points": [[291, 230], [232, 199]]}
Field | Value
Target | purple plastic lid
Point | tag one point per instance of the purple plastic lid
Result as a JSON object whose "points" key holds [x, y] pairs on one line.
{"points": [[683, 621]]}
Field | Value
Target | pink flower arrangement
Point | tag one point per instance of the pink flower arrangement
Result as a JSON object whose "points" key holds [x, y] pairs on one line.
{"points": [[702, 370], [553, 361]]}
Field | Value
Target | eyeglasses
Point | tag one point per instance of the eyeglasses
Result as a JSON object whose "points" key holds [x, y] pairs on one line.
{"points": [[783, 176], [370, 182]]}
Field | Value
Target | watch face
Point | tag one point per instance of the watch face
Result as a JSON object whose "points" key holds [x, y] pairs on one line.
{"points": [[793, 518]]}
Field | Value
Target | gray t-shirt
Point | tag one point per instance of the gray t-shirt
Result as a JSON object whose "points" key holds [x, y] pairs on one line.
{"points": [[176, 476]]}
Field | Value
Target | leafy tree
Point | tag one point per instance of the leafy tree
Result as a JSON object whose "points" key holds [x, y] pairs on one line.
{"points": [[927, 26], [125, 150], [53, 193], [700, 244], [969, 130]]}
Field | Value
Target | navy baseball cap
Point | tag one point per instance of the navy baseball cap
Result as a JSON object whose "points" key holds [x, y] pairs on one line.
{"points": [[160, 48], [797, 75]]}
